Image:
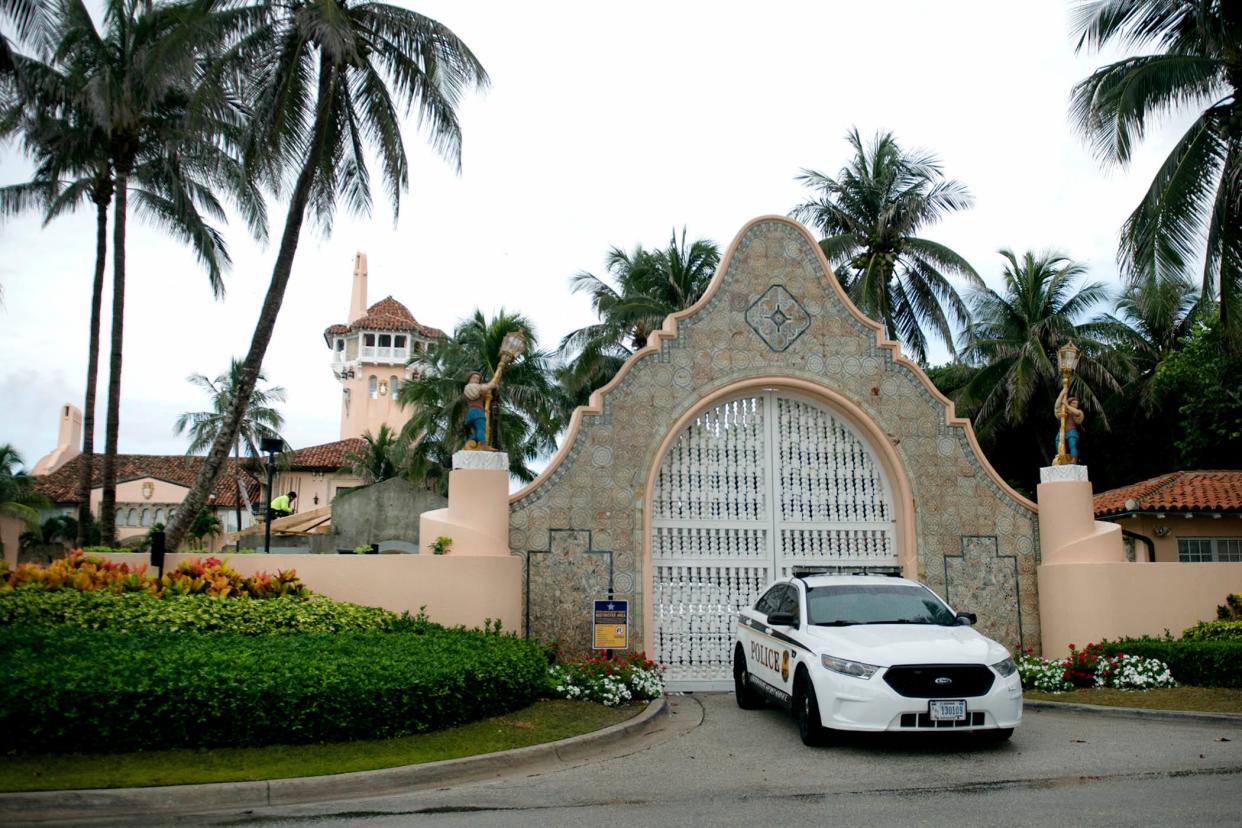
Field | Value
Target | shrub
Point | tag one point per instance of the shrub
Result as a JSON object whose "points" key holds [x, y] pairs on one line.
{"points": [[111, 612], [1231, 610], [71, 690], [1212, 663], [610, 681], [1097, 665], [209, 576], [1214, 630], [1041, 674]]}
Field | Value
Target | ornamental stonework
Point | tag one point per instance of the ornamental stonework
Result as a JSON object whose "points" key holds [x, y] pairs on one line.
{"points": [[772, 311]]}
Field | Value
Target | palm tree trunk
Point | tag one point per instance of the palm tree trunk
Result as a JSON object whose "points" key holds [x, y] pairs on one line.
{"points": [[197, 496], [107, 506], [237, 486], [102, 198]]}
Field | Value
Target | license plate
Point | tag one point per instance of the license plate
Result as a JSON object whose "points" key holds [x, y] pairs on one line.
{"points": [[947, 710]]}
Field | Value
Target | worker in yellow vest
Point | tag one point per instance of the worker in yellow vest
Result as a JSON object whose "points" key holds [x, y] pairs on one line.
{"points": [[283, 505]]}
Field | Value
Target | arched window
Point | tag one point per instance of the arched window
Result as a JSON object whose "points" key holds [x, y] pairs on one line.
{"points": [[146, 516], [120, 517], [373, 387], [392, 387], [159, 516], [131, 519]]}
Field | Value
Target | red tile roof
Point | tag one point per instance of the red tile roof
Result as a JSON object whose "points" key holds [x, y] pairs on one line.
{"points": [[326, 456], [61, 486], [386, 315], [1184, 491]]}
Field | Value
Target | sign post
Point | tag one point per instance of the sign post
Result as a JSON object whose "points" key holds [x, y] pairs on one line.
{"points": [[611, 626]]}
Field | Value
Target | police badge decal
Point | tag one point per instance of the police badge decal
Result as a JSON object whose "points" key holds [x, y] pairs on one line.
{"points": [[785, 666]]}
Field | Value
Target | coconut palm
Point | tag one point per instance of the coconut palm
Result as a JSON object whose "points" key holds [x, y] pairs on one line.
{"points": [[1192, 211], [1152, 318], [1015, 336], [261, 419], [326, 76], [140, 82], [526, 408], [645, 287], [384, 456], [869, 216], [18, 497]]}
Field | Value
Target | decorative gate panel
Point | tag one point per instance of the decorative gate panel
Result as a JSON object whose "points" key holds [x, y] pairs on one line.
{"points": [[749, 489]]}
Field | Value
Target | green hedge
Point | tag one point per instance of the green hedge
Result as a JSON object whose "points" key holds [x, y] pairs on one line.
{"points": [[73, 690], [1214, 631], [1213, 663], [132, 611]]}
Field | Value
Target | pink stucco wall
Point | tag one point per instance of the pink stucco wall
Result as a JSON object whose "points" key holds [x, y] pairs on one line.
{"points": [[1085, 602], [455, 589]]}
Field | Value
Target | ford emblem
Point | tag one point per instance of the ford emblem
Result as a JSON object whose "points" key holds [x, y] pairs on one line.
{"points": [[944, 680]]}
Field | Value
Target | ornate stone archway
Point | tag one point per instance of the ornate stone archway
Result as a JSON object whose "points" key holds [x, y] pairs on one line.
{"points": [[774, 317]]}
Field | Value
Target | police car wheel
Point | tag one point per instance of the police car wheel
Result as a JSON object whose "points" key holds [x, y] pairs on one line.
{"points": [[747, 698], [806, 710]]}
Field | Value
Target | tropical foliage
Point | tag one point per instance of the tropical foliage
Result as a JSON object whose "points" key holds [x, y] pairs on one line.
{"points": [[527, 407], [645, 287], [17, 495], [1190, 219], [869, 216], [326, 85], [383, 456]]}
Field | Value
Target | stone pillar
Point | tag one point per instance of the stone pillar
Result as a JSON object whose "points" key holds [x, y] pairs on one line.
{"points": [[477, 517]]}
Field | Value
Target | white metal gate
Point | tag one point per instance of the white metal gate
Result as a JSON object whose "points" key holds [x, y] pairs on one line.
{"points": [[752, 487]]}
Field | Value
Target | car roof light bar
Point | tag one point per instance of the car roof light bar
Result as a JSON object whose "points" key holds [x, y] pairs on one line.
{"points": [[802, 570]]}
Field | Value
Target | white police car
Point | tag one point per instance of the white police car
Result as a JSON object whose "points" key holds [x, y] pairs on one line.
{"points": [[869, 652]]}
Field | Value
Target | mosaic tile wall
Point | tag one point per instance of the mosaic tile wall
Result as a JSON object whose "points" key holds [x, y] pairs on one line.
{"points": [[772, 313]]}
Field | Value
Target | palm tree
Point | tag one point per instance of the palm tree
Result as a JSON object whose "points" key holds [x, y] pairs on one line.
{"points": [[382, 458], [323, 88], [869, 215], [18, 497], [1152, 318], [527, 406], [139, 84], [1015, 336], [1193, 208], [261, 419], [649, 285]]}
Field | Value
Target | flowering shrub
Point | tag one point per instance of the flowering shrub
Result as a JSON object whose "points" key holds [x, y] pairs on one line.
{"points": [[1213, 631], [208, 576], [77, 571], [1130, 672], [610, 681], [1040, 674], [1097, 665]]}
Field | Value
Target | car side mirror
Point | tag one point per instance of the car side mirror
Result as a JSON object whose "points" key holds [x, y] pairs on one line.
{"points": [[967, 619], [782, 619]]}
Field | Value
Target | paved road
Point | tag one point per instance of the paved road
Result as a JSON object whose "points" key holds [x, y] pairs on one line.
{"points": [[710, 764]]}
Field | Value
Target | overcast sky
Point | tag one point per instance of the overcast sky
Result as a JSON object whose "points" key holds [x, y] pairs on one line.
{"points": [[606, 124]]}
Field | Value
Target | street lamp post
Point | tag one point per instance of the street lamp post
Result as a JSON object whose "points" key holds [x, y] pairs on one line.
{"points": [[271, 445], [1067, 362]]}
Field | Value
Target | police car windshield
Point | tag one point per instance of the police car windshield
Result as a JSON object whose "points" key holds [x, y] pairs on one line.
{"points": [[849, 604]]}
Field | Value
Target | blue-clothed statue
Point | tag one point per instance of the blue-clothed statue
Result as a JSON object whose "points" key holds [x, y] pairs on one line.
{"points": [[1068, 407], [477, 394]]}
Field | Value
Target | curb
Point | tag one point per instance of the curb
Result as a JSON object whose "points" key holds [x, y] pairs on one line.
{"points": [[52, 806], [1134, 712]]}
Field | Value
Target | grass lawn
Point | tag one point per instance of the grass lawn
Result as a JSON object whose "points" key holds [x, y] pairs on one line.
{"points": [[1199, 699], [544, 721]]}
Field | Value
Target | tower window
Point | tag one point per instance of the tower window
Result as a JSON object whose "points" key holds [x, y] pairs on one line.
{"points": [[398, 341], [385, 341], [392, 387], [340, 344], [368, 340], [372, 387]]}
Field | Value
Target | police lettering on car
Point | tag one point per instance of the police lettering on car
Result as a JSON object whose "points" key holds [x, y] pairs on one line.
{"points": [[871, 653]]}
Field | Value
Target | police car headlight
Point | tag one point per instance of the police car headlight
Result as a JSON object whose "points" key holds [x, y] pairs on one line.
{"points": [[849, 668], [1005, 668]]}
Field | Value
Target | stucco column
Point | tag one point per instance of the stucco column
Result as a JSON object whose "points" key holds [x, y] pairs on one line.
{"points": [[477, 517], [1068, 530]]}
